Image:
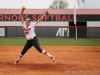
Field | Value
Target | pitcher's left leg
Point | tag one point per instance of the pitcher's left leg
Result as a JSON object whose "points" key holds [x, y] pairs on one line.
{"points": [[37, 46]]}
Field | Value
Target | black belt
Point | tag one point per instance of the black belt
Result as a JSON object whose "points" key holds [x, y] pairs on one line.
{"points": [[31, 39]]}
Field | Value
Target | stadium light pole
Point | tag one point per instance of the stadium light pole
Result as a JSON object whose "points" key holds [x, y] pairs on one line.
{"points": [[75, 19], [78, 2], [84, 4]]}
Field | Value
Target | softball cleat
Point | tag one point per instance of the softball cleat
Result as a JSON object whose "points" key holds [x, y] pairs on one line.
{"points": [[16, 62], [52, 58]]}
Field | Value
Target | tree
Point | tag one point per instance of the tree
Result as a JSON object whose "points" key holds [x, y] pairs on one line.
{"points": [[59, 4]]}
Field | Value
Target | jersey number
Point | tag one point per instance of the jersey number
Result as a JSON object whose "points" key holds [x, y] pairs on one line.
{"points": [[26, 33]]}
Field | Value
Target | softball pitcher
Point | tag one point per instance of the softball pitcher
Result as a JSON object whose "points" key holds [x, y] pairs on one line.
{"points": [[32, 40]]}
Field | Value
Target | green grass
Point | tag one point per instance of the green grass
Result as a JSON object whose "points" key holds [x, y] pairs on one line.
{"points": [[52, 42]]}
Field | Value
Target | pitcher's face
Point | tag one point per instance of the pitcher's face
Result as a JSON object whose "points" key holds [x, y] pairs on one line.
{"points": [[28, 22]]}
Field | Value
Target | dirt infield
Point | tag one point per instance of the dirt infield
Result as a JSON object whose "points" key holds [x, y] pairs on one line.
{"points": [[83, 60]]}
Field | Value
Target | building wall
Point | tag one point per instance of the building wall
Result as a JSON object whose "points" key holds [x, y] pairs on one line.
{"points": [[49, 31], [93, 32], [57, 24]]}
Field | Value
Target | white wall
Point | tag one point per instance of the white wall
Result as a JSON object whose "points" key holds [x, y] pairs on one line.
{"points": [[33, 4], [47, 23], [93, 23]]}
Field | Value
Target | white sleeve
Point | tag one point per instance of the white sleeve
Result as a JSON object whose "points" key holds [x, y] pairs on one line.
{"points": [[33, 24], [23, 25]]}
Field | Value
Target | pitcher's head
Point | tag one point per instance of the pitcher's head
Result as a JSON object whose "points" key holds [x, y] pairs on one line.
{"points": [[28, 21]]}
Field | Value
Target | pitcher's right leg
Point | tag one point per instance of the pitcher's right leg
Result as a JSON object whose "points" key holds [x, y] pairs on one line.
{"points": [[26, 47]]}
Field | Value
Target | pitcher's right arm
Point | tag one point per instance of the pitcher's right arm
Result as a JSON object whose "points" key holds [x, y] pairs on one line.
{"points": [[22, 20]]}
